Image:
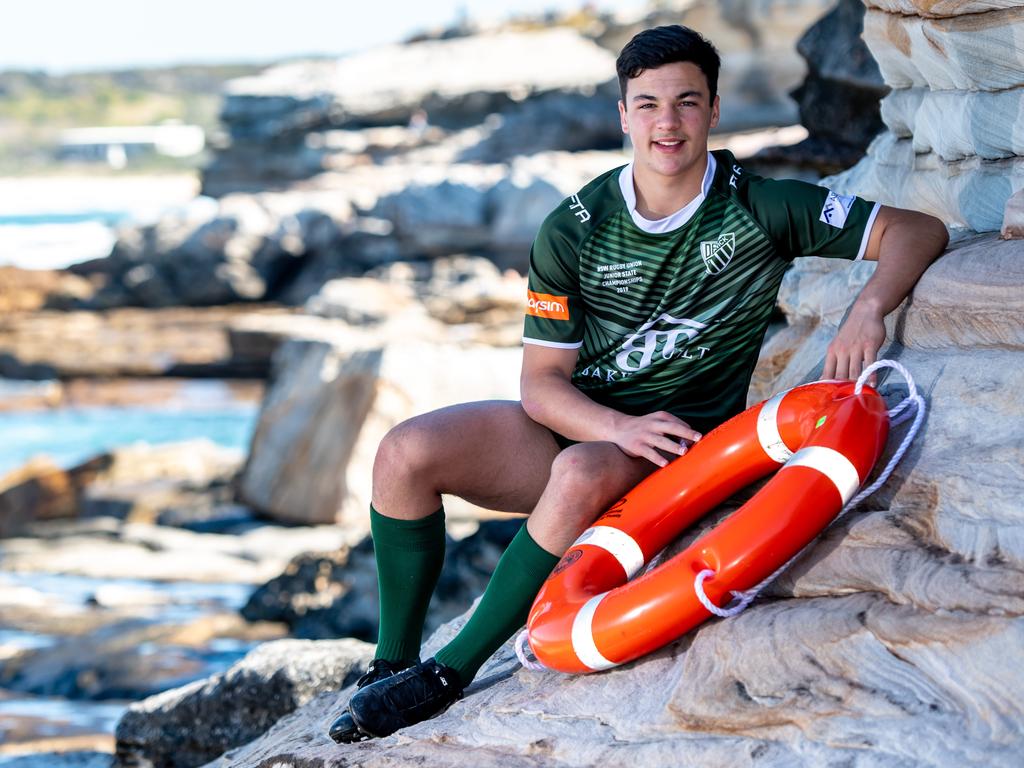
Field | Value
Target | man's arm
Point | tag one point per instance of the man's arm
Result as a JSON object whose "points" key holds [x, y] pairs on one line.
{"points": [[903, 243], [550, 398]]}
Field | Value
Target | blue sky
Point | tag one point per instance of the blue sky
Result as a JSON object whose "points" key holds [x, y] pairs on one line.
{"points": [[69, 35]]}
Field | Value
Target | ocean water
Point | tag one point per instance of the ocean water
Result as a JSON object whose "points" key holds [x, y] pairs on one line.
{"points": [[54, 222], [71, 435]]}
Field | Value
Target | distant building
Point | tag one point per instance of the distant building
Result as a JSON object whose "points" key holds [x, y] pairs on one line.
{"points": [[117, 145]]}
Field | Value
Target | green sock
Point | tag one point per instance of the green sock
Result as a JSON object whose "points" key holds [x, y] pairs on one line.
{"points": [[409, 556], [503, 608]]}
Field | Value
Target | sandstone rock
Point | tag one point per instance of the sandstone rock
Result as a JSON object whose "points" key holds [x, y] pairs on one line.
{"points": [[863, 672], [25, 290], [188, 726], [971, 52], [956, 125], [1013, 217], [40, 490], [331, 403], [893, 640], [954, 146], [969, 193], [940, 8]]}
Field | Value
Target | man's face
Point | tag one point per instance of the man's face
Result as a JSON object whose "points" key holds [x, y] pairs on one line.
{"points": [[668, 114]]}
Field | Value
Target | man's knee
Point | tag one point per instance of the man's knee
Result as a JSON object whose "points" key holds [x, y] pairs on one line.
{"points": [[583, 471], [406, 448]]}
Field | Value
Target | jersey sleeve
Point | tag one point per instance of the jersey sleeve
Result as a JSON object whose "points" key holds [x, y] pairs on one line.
{"points": [[807, 220], [554, 306]]}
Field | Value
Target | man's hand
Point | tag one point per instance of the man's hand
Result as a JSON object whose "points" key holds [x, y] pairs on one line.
{"points": [[653, 435], [856, 345], [903, 243]]}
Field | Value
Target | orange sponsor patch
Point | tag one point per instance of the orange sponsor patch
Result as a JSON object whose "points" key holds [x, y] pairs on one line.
{"points": [[546, 305]]}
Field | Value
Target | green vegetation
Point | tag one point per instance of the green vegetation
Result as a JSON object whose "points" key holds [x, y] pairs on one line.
{"points": [[35, 107]]}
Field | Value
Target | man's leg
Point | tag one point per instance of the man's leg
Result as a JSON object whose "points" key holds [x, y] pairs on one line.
{"points": [[489, 453], [585, 480]]}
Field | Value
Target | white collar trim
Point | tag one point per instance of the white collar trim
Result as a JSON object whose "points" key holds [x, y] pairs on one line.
{"points": [[674, 220]]}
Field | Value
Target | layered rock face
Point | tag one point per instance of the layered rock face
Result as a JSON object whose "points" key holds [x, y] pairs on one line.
{"points": [[954, 144]]}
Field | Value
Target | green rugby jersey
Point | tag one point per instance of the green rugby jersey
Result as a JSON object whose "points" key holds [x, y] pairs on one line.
{"points": [[674, 320]]}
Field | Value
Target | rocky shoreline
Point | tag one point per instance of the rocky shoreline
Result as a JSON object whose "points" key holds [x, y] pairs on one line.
{"points": [[360, 265]]}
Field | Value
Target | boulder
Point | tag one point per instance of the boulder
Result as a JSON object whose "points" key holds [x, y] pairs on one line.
{"points": [[839, 97], [246, 249], [40, 490], [330, 403], [189, 726]]}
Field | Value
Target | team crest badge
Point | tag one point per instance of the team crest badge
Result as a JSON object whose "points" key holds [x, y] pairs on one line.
{"points": [[718, 253]]}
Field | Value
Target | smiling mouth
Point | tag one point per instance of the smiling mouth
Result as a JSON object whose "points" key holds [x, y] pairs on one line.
{"points": [[668, 142]]}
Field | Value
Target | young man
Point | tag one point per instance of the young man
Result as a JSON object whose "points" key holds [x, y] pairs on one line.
{"points": [[649, 294]]}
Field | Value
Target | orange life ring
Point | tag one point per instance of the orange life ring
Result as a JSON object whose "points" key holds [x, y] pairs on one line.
{"points": [[589, 615]]}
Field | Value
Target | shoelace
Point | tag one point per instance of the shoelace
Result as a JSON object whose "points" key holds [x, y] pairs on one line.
{"points": [[377, 670], [413, 689]]}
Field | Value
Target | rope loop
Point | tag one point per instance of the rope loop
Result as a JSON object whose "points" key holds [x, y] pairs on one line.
{"points": [[521, 644], [739, 602]]}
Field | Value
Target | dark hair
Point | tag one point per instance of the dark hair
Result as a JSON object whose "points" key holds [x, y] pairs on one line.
{"points": [[666, 45]]}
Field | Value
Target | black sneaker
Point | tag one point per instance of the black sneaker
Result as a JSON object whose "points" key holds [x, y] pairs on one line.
{"points": [[411, 696], [344, 730]]}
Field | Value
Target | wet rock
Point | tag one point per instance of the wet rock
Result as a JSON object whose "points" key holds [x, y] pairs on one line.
{"points": [[125, 342], [189, 726], [129, 659], [81, 759]]}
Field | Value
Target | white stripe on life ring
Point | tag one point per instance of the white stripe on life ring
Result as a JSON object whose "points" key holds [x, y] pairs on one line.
{"points": [[620, 544], [832, 464], [768, 430], [583, 636]]}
